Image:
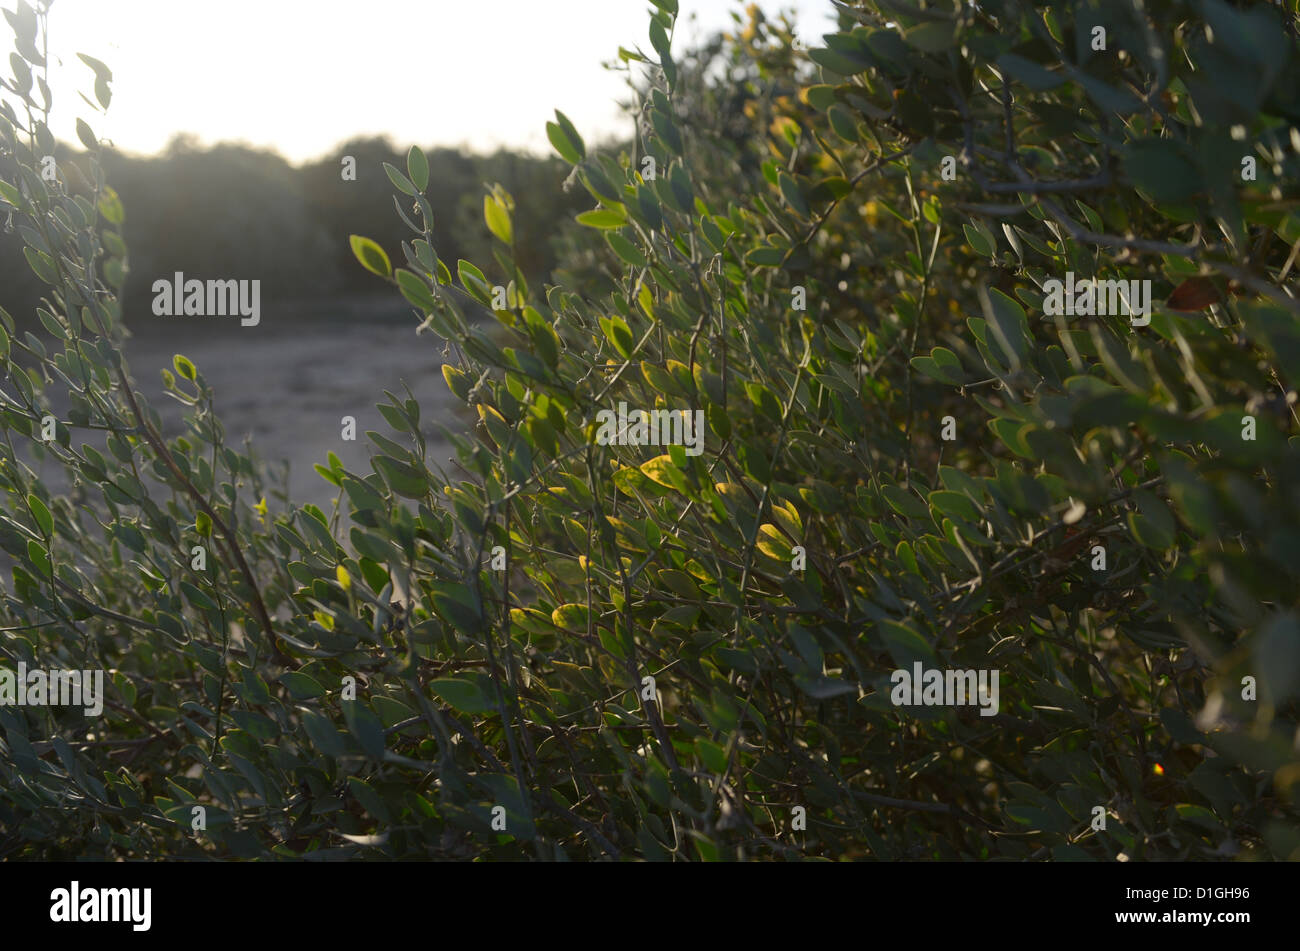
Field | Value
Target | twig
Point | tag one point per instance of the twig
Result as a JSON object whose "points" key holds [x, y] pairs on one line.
{"points": [[159, 447]]}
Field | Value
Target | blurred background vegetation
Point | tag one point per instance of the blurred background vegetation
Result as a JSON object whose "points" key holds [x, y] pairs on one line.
{"points": [[248, 213]]}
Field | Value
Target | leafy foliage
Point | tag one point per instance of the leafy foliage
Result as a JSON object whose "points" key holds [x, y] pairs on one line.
{"points": [[778, 179]]}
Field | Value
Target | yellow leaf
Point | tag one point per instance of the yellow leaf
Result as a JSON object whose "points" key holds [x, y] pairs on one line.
{"points": [[646, 300], [773, 543], [498, 219], [571, 617], [661, 469]]}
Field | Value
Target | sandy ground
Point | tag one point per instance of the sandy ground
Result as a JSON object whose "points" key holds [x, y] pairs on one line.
{"points": [[289, 381]]}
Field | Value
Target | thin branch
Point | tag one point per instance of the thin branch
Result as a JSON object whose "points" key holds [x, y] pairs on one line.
{"points": [[232, 540], [822, 218]]}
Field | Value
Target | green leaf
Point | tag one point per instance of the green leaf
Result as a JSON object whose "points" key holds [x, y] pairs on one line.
{"points": [[39, 557], [1008, 326], [843, 123], [1012, 433], [86, 136], [905, 644], [564, 137], [667, 131], [404, 478], [1277, 657], [133, 538], [463, 695], [618, 333], [659, 40], [1162, 169], [824, 688], [323, 735], [765, 257], [955, 505], [101, 70], [927, 367], [837, 62], [371, 255], [764, 401], [980, 240], [1110, 99], [362, 495], [400, 181], [417, 167], [793, 196], [183, 367], [821, 96], [1153, 524], [948, 363], [110, 206], [626, 250], [473, 281], [830, 189], [602, 218], [302, 686], [41, 514], [457, 604], [415, 290], [370, 800], [1036, 77], [42, 264], [366, 727], [932, 37], [904, 502], [648, 204], [394, 418], [942, 365]]}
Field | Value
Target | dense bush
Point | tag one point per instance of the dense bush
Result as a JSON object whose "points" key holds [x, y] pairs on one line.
{"points": [[453, 647]]}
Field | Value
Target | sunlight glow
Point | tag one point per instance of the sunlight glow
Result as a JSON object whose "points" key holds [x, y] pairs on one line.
{"points": [[302, 76]]}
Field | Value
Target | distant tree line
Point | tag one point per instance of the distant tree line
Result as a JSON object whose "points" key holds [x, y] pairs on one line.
{"points": [[235, 211]]}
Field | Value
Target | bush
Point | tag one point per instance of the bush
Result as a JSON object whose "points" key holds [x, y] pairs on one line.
{"points": [[566, 647]]}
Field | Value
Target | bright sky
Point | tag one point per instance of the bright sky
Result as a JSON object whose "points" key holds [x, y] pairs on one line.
{"points": [[302, 76]]}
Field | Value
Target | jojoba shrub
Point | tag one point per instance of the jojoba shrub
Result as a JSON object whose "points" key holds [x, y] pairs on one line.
{"points": [[902, 465]]}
